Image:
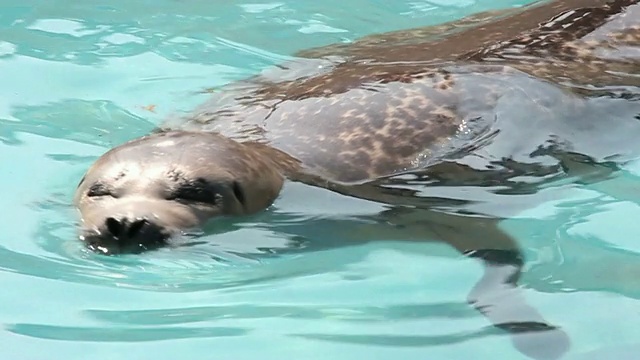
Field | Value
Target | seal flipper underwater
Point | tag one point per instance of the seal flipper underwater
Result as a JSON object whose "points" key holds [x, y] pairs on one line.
{"points": [[496, 295], [346, 134]]}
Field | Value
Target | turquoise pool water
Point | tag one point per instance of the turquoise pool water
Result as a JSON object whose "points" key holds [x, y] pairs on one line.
{"points": [[78, 78]]}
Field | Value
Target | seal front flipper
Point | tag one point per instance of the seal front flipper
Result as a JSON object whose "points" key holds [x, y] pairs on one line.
{"points": [[498, 297]]}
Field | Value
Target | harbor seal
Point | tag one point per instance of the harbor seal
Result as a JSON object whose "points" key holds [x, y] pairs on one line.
{"points": [[365, 128]]}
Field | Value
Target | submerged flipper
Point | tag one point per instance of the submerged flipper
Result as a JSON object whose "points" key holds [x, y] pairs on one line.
{"points": [[497, 294], [498, 297]]}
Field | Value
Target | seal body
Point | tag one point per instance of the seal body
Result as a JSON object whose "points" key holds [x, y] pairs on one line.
{"points": [[481, 113], [380, 128], [470, 117]]}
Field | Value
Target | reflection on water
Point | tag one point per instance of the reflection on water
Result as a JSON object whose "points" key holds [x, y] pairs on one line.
{"points": [[100, 123]]}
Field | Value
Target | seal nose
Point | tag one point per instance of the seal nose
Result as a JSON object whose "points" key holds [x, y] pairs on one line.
{"points": [[126, 235], [121, 228]]}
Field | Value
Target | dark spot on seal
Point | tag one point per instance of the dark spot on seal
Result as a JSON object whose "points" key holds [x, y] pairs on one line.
{"points": [[443, 86], [398, 133], [405, 149], [383, 163], [362, 158]]}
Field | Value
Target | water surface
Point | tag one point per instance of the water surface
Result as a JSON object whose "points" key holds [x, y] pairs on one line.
{"points": [[79, 78]]}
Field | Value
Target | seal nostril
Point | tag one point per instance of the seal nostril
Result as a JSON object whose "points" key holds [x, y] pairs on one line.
{"points": [[114, 226], [136, 227]]}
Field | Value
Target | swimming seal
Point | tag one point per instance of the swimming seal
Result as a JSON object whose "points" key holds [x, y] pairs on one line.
{"points": [[525, 104]]}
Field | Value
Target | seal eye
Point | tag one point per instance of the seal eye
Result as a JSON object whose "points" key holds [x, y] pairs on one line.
{"points": [[98, 190], [195, 193]]}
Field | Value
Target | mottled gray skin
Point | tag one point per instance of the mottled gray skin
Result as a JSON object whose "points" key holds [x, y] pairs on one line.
{"points": [[367, 132], [486, 112], [482, 113]]}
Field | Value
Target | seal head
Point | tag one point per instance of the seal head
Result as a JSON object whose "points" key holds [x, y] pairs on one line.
{"points": [[139, 195]]}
